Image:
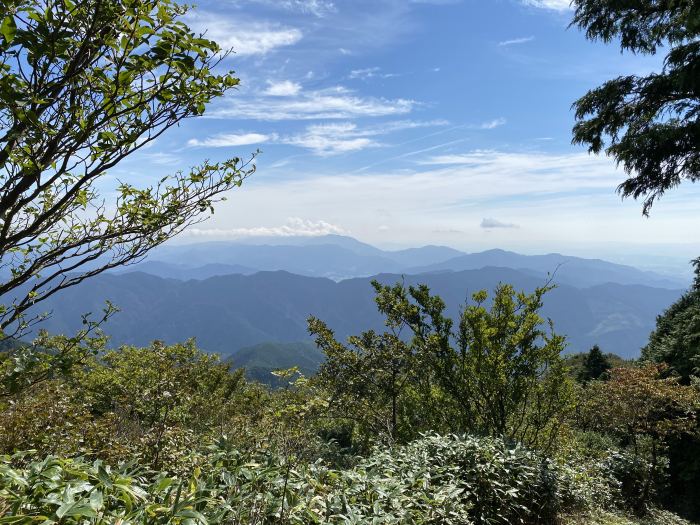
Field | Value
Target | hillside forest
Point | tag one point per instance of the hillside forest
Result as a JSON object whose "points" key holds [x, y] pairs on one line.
{"points": [[429, 413]]}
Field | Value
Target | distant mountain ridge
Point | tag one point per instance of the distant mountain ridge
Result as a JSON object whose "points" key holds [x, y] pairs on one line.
{"points": [[563, 268], [338, 257], [230, 312]]}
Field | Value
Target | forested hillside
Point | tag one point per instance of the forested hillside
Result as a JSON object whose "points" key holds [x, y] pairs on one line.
{"points": [[226, 313]]}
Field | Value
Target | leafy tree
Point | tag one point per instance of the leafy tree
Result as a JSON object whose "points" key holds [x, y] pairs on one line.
{"points": [[577, 364], [504, 372], [46, 358], [595, 365], [676, 343], [150, 391], [84, 85], [151, 403], [676, 339], [637, 403], [648, 124], [499, 372], [366, 381]]}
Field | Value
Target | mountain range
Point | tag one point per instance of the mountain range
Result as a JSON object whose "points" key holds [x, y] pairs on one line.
{"points": [[245, 299], [229, 312], [339, 257]]}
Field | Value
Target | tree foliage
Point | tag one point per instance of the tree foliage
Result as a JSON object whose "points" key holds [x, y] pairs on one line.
{"points": [[499, 372], [47, 357], [369, 380], [648, 124], [595, 365], [85, 85], [640, 403], [676, 338]]}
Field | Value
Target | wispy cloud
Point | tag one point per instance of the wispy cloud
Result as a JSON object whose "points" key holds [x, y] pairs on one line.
{"points": [[243, 37], [557, 5], [321, 139], [415, 200], [493, 124], [368, 73], [516, 41], [284, 88], [490, 224], [332, 103], [293, 227], [344, 137], [331, 139], [162, 158], [452, 180], [223, 140], [317, 8]]}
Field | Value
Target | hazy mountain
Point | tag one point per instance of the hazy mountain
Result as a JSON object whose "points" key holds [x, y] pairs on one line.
{"points": [[230, 312], [349, 243], [566, 269], [183, 272], [423, 255], [319, 260], [339, 257]]}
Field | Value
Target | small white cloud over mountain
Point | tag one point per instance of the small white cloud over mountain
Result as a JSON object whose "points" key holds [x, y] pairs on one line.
{"points": [[294, 227]]}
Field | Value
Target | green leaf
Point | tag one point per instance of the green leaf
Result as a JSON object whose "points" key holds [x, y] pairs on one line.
{"points": [[96, 500], [75, 508], [8, 28]]}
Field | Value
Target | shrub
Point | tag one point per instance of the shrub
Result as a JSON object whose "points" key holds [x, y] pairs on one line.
{"points": [[445, 480]]}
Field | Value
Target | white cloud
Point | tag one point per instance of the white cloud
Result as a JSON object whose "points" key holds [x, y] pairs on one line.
{"points": [[443, 182], [492, 124], [331, 139], [563, 198], [322, 139], [333, 103], [489, 224], [223, 140], [244, 37], [162, 159], [557, 5], [285, 88], [293, 227], [369, 72], [317, 8], [516, 41], [344, 137]]}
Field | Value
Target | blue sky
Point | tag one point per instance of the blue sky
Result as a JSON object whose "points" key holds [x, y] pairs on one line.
{"points": [[410, 122]]}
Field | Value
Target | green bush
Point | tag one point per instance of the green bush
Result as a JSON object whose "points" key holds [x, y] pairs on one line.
{"points": [[445, 480]]}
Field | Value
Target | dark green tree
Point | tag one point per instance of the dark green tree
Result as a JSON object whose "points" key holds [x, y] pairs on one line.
{"points": [[649, 124], [676, 342], [83, 85], [595, 365], [676, 339]]}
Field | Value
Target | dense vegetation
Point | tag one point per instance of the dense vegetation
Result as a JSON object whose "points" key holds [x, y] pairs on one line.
{"points": [[171, 434]]}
